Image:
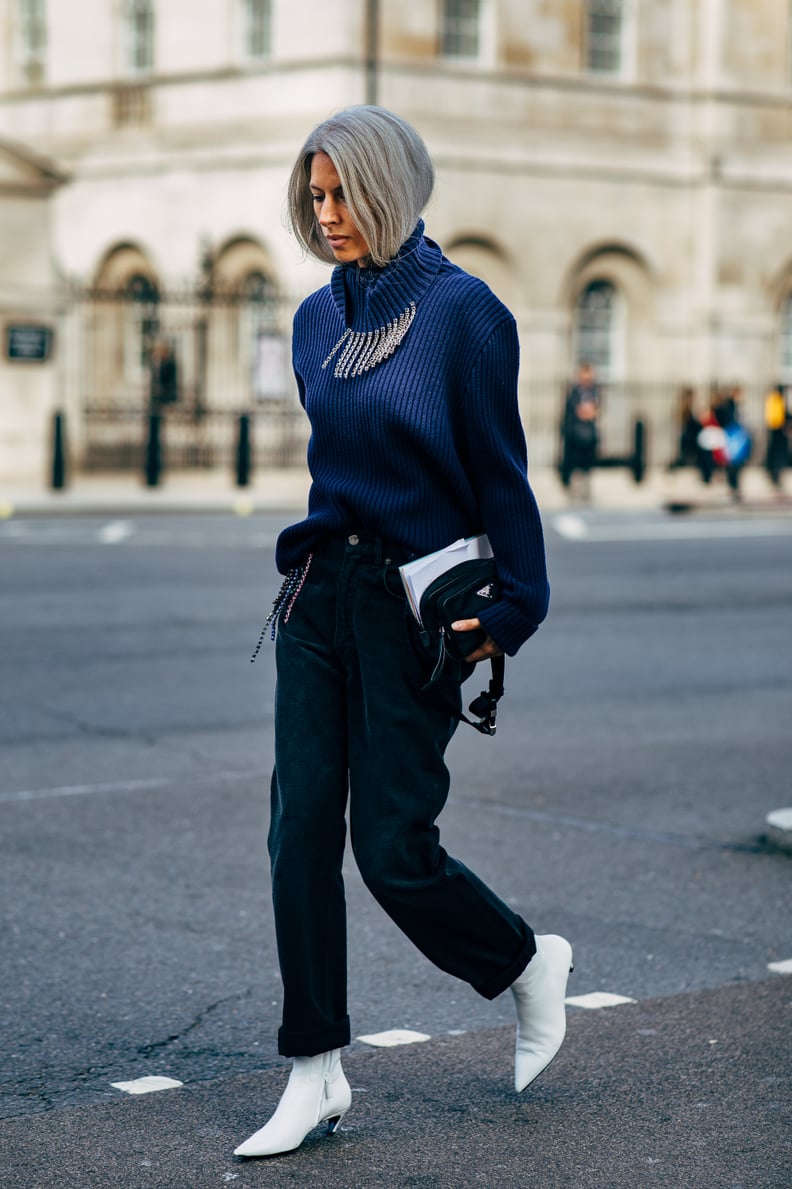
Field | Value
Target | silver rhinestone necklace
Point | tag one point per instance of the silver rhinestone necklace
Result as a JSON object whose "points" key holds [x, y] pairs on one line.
{"points": [[364, 349]]}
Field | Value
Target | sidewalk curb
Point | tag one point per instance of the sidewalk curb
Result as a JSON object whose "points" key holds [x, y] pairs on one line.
{"points": [[126, 507], [752, 507], [287, 491]]}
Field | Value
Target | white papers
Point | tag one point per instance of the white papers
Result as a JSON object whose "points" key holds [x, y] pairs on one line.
{"points": [[417, 575], [271, 366]]}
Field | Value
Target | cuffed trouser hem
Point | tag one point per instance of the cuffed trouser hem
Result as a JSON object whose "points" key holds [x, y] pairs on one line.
{"points": [[513, 972], [309, 1044]]}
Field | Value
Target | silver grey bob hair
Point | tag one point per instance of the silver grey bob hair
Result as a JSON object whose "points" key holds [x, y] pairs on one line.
{"points": [[385, 172]]}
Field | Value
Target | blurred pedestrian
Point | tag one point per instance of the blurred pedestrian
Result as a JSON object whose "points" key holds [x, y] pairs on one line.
{"points": [[725, 440], [407, 368], [579, 428], [725, 406], [688, 430], [777, 421], [164, 375]]}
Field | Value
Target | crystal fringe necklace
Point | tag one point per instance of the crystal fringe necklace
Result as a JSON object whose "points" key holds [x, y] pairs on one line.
{"points": [[364, 349]]}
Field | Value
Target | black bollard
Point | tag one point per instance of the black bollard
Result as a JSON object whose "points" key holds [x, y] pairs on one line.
{"points": [[153, 460], [639, 451], [243, 453], [58, 452]]}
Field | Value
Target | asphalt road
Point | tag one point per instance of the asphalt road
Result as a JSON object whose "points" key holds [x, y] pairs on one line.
{"points": [[644, 736]]}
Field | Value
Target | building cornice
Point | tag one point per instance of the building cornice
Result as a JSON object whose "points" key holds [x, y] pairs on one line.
{"points": [[689, 171], [438, 70]]}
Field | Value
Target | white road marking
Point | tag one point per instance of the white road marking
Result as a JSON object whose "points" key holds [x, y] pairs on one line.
{"points": [[779, 828], [128, 786], [147, 1085], [572, 527], [784, 967], [575, 528], [396, 1036], [597, 999], [115, 531], [143, 533]]}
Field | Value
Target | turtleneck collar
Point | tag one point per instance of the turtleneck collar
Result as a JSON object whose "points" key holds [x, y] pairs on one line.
{"points": [[368, 298]]}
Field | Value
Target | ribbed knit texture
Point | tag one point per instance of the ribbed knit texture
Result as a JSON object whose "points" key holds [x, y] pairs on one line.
{"points": [[427, 446]]}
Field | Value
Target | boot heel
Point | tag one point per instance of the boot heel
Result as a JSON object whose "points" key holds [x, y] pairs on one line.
{"points": [[316, 1091], [332, 1124]]}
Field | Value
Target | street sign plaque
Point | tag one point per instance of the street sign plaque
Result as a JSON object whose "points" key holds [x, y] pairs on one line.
{"points": [[28, 342]]}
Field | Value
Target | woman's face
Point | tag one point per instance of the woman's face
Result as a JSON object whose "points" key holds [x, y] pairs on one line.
{"points": [[345, 240]]}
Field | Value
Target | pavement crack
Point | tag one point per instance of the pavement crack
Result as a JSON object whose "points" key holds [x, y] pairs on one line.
{"points": [[157, 1045]]}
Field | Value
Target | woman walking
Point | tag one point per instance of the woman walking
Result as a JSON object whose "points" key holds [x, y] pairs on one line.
{"points": [[407, 369]]}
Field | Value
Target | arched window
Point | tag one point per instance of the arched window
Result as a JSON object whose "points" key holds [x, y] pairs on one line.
{"points": [[123, 322], [786, 340], [604, 36], [460, 29], [256, 288], [141, 288], [595, 327]]}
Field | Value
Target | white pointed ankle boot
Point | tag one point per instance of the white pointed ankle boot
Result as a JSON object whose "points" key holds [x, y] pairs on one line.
{"points": [[539, 995], [317, 1091]]}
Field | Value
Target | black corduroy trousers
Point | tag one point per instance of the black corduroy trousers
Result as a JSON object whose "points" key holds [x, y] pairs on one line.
{"points": [[353, 724]]}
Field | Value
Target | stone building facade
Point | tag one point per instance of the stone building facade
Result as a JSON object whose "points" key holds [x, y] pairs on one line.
{"points": [[30, 310], [620, 171]]}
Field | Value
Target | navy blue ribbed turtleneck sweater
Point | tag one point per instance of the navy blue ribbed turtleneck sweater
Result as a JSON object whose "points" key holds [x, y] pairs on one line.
{"points": [[427, 445]]}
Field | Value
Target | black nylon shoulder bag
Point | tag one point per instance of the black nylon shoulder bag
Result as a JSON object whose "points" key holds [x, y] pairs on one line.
{"points": [[463, 592]]}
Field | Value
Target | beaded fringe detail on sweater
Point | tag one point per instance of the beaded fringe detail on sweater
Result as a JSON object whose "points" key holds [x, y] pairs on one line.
{"points": [[284, 601], [364, 349]]}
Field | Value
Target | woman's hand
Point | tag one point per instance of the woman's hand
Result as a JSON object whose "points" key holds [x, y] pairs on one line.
{"points": [[488, 649]]}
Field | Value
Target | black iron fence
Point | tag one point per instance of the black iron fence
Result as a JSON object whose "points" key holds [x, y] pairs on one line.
{"points": [[116, 437], [203, 357], [197, 359]]}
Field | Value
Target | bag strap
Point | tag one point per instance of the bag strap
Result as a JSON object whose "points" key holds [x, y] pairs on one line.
{"points": [[485, 706]]}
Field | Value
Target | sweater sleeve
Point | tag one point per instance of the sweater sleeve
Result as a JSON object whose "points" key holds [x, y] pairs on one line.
{"points": [[498, 466]]}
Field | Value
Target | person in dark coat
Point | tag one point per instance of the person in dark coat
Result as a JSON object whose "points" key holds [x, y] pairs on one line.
{"points": [[688, 427], [164, 375], [579, 426]]}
